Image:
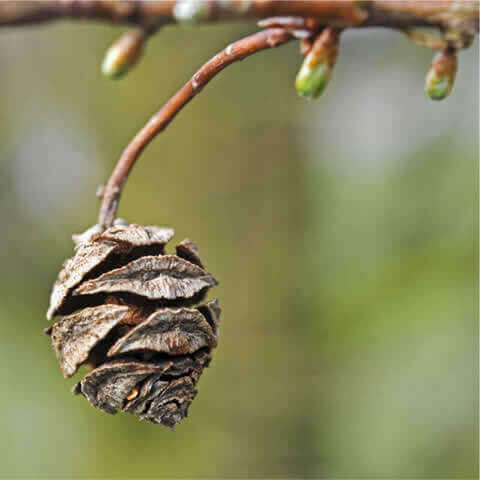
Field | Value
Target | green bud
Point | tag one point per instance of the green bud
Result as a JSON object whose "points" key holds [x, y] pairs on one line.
{"points": [[310, 82], [437, 88], [123, 54], [317, 67], [190, 12], [441, 75]]}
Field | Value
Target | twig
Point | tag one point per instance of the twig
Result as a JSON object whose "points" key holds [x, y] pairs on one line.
{"points": [[444, 14], [236, 51], [457, 21]]}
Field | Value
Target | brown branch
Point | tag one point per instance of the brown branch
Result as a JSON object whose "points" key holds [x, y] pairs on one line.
{"points": [[457, 20], [444, 14], [236, 51]]}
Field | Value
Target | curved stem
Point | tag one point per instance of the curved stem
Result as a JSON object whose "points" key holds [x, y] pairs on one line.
{"points": [[236, 51]]}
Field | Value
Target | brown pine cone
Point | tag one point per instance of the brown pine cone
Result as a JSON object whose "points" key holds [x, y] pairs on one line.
{"points": [[128, 314]]}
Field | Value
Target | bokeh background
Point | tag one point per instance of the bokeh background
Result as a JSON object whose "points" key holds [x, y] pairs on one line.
{"points": [[343, 231]]}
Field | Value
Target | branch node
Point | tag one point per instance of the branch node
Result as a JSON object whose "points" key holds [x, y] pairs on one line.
{"points": [[100, 191], [190, 12], [428, 40]]}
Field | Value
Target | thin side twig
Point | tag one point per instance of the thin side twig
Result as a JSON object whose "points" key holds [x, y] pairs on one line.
{"points": [[236, 51]]}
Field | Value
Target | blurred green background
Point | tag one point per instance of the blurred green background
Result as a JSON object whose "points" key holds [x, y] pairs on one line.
{"points": [[343, 232]]}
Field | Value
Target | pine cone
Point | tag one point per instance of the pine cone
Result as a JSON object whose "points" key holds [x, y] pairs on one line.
{"points": [[128, 313]]}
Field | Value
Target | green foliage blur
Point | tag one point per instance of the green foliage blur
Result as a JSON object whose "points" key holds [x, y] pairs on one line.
{"points": [[343, 233]]}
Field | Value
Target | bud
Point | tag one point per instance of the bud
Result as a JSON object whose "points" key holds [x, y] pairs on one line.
{"points": [[317, 67], [441, 75], [123, 54], [190, 11]]}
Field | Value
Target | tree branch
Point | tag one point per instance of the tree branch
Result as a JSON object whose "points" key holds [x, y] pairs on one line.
{"points": [[236, 51], [313, 21], [403, 14]]}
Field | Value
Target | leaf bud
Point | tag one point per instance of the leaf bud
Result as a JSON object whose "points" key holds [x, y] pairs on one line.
{"points": [[123, 54], [316, 69], [441, 75]]}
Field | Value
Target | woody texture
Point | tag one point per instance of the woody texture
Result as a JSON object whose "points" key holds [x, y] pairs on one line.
{"points": [[128, 311]]}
